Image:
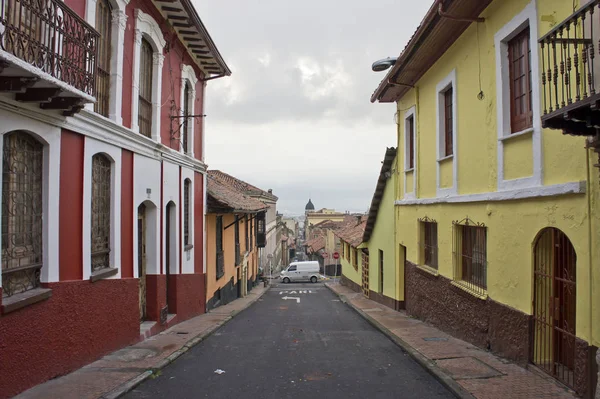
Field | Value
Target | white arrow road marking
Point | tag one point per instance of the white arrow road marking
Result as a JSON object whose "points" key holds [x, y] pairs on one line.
{"points": [[291, 297]]}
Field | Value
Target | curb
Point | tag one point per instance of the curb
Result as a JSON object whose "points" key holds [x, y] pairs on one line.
{"points": [[423, 361], [134, 382]]}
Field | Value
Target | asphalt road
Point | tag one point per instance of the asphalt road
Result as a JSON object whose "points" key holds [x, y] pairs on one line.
{"points": [[316, 347]]}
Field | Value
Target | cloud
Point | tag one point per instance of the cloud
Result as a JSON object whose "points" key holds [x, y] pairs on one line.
{"points": [[295, 115]]}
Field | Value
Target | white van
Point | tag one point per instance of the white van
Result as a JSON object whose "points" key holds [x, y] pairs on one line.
{"points": [[301, 271]]}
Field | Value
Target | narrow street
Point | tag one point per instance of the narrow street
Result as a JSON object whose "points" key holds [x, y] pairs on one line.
{"points": [[309, 345]]}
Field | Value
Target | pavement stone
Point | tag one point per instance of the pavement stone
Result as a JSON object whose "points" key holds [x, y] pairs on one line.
{"points": [[469, 371], [117, 373]]}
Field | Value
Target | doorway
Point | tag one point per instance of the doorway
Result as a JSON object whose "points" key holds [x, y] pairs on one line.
{"points": [[142, 268], [554, 305], [171, 251]]}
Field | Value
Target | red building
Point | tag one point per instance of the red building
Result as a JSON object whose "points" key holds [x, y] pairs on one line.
{"points": [[103, 178]]}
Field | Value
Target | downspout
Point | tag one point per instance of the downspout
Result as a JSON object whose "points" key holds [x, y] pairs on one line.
{"points": [[444, 14]]}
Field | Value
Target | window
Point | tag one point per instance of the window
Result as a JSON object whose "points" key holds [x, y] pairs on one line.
{"points": [[186, 212], [470, 255], [410, 142], [186, 113], [219, 247], [380, 271], [448, 122], [238, 258], [355, 259], [103, 26], [22, 170], [519, 58], [429, 242], [246, 221], [343, 246], [292, 268], [145, 90], [101, 196], [348, 252]]}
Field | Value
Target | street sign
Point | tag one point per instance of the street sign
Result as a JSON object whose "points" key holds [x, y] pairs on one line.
{"points": [[336, 255]]}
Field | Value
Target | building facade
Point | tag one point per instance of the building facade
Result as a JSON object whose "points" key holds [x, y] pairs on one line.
{"points": [[234, 230], [103, 178], [496, 219]]}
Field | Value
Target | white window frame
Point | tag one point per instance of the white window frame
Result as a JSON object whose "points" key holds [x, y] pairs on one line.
{"points": [[449, 82], [188, 263], [527, 17], [93, 147], [118, 25], [50, 137], [146, 27], [188, 76], [411, 112]]}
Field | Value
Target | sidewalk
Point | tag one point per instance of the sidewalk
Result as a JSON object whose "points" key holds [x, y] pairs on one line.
{"points": [[466, 370], [119, 372]]}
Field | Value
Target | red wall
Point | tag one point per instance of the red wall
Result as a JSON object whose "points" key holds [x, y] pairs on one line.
{"points": [[198, 222], [186, 295], [156, 295], [198, 110], [78, 6], [81, 322], [127, 214], [71, 206]]}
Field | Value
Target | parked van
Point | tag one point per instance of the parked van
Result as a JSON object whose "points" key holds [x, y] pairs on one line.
{"points": [[301, 271]]}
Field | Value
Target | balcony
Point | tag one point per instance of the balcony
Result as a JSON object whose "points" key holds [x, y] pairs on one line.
{"points": [[570, 74], [47, 55]]}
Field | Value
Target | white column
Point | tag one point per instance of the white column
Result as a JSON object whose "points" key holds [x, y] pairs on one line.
{"points": [[135, 92], [158, 60], [119, 23]]}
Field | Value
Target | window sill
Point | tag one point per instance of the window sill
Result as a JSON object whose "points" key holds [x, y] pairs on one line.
{"points": [[103, 274], [219, 276], [429, 270], [447, 157], [188, 247], [24, 299], [409, 170], [517, 134], [463, 286]]}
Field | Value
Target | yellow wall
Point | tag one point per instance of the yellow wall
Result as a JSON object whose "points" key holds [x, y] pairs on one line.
{"points": [[212, 284], [347, 268], [512, 225], [382, 238]]}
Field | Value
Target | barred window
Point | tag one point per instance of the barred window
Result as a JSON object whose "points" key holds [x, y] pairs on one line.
{"points": [[101, 195], [103, 22], [429, 242], [470, 255], [22, 215], [448, 122], [186, 113], [186, 211], [519, 57], [145, 96], [355, 259], [219, 247]]}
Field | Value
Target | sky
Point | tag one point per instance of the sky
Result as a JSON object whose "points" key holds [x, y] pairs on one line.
{"points": [[295, 115]]}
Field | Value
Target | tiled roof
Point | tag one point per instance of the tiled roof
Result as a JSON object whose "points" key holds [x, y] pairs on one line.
{"points": [[315, 244], [353, 232], [241, 185], [225, 196], [386, 167]]}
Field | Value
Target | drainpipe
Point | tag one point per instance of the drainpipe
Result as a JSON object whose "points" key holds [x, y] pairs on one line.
{"points": [[444, 14]]}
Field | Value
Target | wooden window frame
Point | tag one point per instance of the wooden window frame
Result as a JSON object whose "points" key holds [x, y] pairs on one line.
{"points": [[448, 121], [146, 88], [187, 199], [220, 262], [410, 142], [104, 27], [522, 119], [187, 90], [429, 242]]}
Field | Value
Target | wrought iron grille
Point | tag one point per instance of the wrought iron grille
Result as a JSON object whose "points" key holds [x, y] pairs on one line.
{"points": [[238, 257], [103, 24], [568, 54], [22, 170], [101, 196], [145, 96], [186, 211], [365, 274], [470, 254], [53, 38], [554, 309], [219, 244], [429, 242]]}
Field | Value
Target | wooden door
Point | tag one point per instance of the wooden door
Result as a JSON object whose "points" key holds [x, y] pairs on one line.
{"points": [[141, 241], [554, 305]]}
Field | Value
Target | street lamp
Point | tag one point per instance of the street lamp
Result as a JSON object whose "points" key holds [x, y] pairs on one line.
{"points": [[382, 65]]}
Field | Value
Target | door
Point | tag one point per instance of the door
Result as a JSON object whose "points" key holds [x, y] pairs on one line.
{"points": [[292, 273], [365, 274], [141, 241], [554, 305], [170, 250]]}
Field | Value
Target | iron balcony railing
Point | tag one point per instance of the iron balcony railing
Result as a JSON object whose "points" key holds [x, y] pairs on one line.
{"points": [[569, 69], [51, 37]]}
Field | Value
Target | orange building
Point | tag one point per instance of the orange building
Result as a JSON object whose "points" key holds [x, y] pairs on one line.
{"points": [[235, 229]]}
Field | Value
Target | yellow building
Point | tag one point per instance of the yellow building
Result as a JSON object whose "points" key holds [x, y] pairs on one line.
{"points": [[315, 217], [497, 219], [235, 229]]}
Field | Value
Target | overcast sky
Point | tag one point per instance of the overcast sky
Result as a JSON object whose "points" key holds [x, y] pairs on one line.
{"points": [[295, 114]]}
